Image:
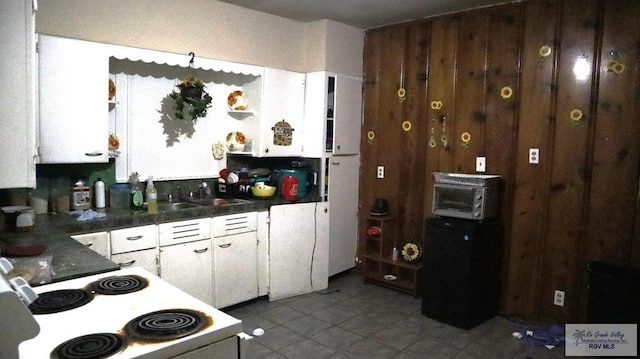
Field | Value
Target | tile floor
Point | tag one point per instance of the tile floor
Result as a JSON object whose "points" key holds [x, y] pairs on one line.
{"points": [[369, 321]]}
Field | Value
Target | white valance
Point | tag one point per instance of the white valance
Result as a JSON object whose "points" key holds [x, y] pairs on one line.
{"points": [[172, 59]]}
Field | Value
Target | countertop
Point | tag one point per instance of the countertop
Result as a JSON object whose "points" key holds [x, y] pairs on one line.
{"points": [[71, 259]]}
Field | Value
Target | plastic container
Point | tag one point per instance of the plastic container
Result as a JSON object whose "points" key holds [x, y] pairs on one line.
{"points": [[119, 196], [99, 194], [81, 196]]}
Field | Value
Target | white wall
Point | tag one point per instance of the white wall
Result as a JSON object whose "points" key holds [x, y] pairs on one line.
{"points": [[209, 28]]}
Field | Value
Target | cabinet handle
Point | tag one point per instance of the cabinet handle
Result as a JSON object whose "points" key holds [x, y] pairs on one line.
{"points": [[200, 250], [93, 154], [126, 264], [335, 163], [89, 244], [135, 238], [225, 245]]}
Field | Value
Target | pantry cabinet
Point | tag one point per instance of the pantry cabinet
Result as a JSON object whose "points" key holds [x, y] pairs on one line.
{"points": [[298, 249], [185, 249], [73, 100], [17, 103]]}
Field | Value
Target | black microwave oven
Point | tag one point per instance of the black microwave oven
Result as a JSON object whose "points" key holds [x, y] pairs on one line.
{"points": [[465, 196]]}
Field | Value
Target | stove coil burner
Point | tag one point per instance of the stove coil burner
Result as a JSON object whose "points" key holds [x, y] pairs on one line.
{"points": [[166, 324], [120, 284], [60, 300], [91, 346]]}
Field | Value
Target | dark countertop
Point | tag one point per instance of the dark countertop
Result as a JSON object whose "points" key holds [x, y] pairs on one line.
{"points": [[71, 259]]}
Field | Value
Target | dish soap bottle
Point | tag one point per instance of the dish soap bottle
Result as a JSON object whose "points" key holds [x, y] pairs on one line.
{"points": [[136, 198], [152, 196]]}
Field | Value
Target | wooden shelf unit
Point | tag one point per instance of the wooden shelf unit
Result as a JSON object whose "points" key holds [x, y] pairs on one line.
{"points": [[377, 258]]}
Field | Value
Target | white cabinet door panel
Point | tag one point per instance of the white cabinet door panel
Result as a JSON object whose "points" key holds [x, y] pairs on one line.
{"points": [[188, 266], [97, 242], [236, 273], [343, 196], [73, 96], [347, 115], [145, 259]]}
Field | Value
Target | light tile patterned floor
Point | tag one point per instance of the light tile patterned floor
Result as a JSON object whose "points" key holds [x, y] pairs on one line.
{"points": [[366, 321]]}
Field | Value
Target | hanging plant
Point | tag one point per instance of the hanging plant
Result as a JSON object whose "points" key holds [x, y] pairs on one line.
{"points": [[192, 97]]}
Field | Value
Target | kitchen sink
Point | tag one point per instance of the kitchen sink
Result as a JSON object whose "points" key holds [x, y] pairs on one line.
{"points": [[174, 206], [218, 201], [194, 203]]}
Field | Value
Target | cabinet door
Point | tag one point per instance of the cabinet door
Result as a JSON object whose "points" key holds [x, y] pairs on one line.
{"points": [[343, 195], [347, 115], [316, 107], [236, 269], [97, 242], [146, 259], [73, 95], [17, 74], [282, 100], [298, 240], [188, 266]]}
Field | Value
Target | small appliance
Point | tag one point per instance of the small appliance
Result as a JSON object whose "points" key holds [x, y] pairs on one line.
{"points": [[465, 196]]}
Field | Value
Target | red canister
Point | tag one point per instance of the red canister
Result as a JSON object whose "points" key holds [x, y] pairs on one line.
{"points": [[289, 190]]}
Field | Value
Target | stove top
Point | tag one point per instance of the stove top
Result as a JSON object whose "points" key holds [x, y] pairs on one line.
{"points": [[129, 313]]}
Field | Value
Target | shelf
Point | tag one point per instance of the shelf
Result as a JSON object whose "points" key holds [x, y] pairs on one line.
{"points": [[399, 262]]}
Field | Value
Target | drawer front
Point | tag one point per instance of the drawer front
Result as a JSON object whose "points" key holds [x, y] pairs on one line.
{"points": [[184, 231], [146, 259], [235, 223], [134, 239]]}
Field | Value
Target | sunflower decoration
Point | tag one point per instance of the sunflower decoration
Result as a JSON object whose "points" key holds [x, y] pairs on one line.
{"points": [[616, 67], [544, 52], [406, 126], [436, 105], [402, 93], [466, 139], [371, 136], [506, 92], [411, 252]]}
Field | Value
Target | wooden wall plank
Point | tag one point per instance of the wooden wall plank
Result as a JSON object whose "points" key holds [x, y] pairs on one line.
{"points": [[440, 89], [536, 101], [568, 157], [469, 115], [503, 70], [412, 132], [615, 151]]}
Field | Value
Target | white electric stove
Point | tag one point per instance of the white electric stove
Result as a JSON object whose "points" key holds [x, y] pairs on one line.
{"points": [[129, 313]]}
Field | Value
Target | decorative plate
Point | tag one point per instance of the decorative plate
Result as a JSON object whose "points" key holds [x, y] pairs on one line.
{"points": [[112, 90], [237, 100], [411, 252]]}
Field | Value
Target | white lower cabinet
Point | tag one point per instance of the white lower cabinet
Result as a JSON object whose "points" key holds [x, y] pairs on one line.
{"points": [[97, 242], [235, 252], [188, 266], [136, 246], [298, 249], [185, 257]]}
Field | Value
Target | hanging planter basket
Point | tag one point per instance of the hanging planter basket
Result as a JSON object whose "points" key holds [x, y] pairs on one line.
{"points": [[191, 98]]}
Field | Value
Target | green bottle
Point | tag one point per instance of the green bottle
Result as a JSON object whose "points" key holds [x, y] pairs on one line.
{"points": [[136, 196]]}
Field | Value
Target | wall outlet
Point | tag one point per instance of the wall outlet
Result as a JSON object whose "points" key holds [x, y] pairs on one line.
{"points": [[558, 298], [380, 173], [534, 155], [481, 164]]}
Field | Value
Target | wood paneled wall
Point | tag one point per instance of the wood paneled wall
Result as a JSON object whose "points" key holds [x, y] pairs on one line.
{"points": [[579, 203]]}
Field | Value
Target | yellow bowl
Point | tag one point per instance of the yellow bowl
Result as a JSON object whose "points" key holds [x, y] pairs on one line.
{"points": [[264, 192]]}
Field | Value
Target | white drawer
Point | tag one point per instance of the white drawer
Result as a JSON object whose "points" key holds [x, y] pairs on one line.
{"points": [[184, 231], [134, 239], [235, 223]]}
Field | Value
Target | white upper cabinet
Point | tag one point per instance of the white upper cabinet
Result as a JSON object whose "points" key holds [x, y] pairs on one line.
{"points": [[73, 96], [333, 104], [281, 119], [17, 103]]}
